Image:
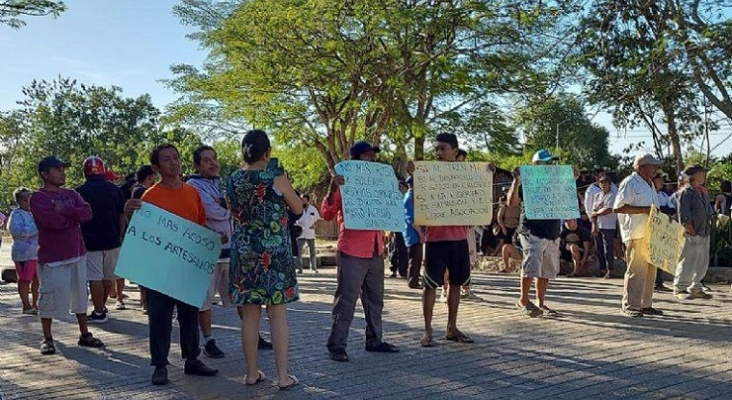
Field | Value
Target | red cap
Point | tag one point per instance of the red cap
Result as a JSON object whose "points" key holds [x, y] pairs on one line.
{"points": [[94, 166]]}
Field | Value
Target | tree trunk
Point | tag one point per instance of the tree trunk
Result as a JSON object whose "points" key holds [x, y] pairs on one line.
{"points": [[673, 136], [419, 148]]}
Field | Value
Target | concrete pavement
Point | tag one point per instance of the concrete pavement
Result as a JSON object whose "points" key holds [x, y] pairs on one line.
{"points": [[589, 352]]}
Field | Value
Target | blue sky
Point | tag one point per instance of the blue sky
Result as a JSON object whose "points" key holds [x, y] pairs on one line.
{"points": [[131, 44]]}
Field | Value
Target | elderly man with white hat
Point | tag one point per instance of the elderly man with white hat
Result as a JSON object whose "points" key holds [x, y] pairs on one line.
{"points": [[633, 202]]}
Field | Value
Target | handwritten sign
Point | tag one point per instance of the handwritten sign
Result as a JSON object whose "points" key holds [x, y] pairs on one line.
{"points": [[371, 197], [663, 241], [550, 192], [169, 254], [452, 193]]}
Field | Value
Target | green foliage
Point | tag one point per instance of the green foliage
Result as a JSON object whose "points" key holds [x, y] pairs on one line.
{"points": [[322, 73], [74, 121], [581, 142], [12, 11]]}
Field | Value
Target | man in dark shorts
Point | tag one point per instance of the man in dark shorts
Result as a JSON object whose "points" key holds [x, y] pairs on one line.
{"points": [[446, 249], [575, 246]]}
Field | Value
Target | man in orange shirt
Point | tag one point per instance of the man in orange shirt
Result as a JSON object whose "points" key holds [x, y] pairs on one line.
{"points": [[183, 200]]}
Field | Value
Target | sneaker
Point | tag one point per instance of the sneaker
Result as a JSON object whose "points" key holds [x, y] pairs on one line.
{"points": [[264, 344], [632, 313], [197, 367], [95, 318], [548, 311], [651, 311], [211, 350], [120, 305], [160, 376], [530, 309], [700, 294], [443, 296], [464, 293], [662, 288], [683, 295]]}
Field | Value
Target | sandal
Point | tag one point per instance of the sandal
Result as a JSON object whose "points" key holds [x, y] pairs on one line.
{"points": [[459, 338], [47, 347], [383, 347], [426, 342], [548, 311], [288, 387], [260, 378], [87, 340]]}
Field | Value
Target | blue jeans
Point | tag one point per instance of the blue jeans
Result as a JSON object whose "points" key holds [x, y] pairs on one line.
{"points": [[605, 251]]}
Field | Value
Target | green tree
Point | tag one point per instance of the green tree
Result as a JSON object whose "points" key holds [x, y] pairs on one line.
{"points": [[12, 11], [560, 123], [322, 74], [74, 121]]}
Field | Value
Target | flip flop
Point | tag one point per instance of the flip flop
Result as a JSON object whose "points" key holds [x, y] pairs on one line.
{"points": [[288, 387], [459, 338], [426, 342], [260, 378]]}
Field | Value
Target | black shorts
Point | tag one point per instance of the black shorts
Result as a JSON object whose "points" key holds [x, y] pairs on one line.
{"points": [[451, 256]]}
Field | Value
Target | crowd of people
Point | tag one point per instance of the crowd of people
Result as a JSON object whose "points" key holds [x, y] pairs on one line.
{"points": [[67, 241]]}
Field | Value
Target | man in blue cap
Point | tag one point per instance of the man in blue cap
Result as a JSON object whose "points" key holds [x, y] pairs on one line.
{"points": [[540, 245], [360, 271]]}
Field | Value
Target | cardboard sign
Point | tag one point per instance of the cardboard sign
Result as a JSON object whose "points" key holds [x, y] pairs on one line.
{"points": [[550, 192], [371, 197], [663, 241], [452, 193], [169, 254]]}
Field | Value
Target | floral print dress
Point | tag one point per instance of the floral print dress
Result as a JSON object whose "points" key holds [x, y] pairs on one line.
{"points": [[262, 269]]}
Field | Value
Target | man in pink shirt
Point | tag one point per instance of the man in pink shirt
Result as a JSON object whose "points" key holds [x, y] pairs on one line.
{"points": [[446, 249], [360, 271], [58, 213]]}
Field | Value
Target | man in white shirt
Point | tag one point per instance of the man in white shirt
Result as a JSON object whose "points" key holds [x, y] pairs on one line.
{"points": [[633, 202], [604, 223], [310, 218]]}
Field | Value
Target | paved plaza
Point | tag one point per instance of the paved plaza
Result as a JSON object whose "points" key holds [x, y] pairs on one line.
{"points": [[590, 351]]}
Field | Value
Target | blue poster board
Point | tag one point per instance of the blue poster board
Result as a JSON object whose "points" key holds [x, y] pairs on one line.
{"points": [[169, 254], [371, 197], [550, 192]]}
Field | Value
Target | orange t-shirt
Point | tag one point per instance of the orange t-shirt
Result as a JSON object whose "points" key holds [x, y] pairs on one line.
{"points": [[184, 202]]}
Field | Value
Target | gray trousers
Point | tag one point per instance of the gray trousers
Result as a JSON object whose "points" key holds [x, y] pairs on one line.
{"points": [[356, 277], [311, 246], [693, 264]]}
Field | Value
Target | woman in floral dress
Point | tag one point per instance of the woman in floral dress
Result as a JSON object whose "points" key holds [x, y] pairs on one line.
{"points": [[262, 270]]}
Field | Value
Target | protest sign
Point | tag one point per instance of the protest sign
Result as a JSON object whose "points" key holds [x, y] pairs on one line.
{"points": [[371, 197], [169, 254], [550, 192], [663, 241], [452, 193]]}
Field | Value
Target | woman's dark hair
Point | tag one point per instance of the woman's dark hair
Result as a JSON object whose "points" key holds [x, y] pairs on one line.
{"points": [[155, 154], [726, 186], [143, 173], [254, 146]]}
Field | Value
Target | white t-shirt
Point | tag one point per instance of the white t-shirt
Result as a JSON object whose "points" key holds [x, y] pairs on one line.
{"points": [[603, 200], [634, 191], [309, 217]]}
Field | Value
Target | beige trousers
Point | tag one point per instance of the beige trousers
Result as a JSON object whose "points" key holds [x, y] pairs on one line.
{"points": [[639, 280]]}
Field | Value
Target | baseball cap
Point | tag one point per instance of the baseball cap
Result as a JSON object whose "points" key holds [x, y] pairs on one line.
{"points": [[543, 155], [361, 147], [646, 159], [51, 162], [94, 166]]}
